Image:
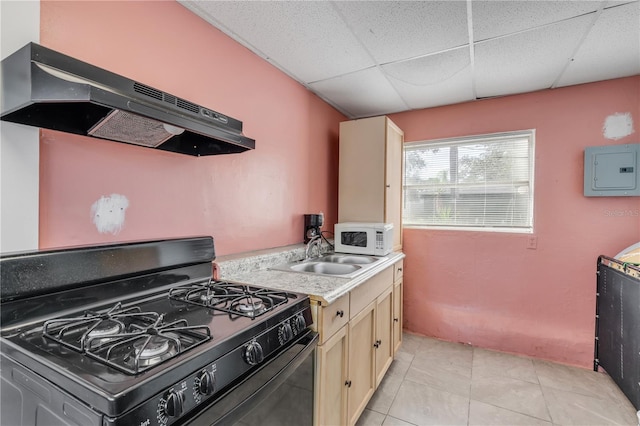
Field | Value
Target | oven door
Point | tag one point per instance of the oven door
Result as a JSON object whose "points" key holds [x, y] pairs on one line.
{"points": [[279, 393]]}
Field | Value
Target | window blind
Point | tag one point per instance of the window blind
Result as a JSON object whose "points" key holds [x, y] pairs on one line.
{"points": [[483, 182]]}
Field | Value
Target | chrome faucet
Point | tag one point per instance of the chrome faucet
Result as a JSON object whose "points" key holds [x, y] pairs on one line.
{"points": [[314, 241]]}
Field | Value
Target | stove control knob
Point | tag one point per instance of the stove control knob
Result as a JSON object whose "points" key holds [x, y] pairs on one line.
{"points": [[175, 404], [299, 323], [206, 382], [253, 354], [285, 333]]}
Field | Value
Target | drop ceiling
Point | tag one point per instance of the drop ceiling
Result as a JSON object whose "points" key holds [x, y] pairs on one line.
{"points": [[371, 58]]}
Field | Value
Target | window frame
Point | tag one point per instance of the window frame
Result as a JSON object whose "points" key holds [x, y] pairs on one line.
{"points": [[529, 134]]}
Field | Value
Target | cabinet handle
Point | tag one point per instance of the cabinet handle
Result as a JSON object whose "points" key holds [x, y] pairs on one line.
{"points": [[340, 313], [377, 344], [399, 269], [348, 383], [396, 320], [388, 186]]}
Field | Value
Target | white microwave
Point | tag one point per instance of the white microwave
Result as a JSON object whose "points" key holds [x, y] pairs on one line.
{"points": [[374, 239]]}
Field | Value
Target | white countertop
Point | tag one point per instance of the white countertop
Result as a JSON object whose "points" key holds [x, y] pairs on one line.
{"points": [[253, 269]]}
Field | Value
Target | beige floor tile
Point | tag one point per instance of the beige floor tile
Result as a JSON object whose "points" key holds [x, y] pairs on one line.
{"points": [[392, 421], [429, 344], [481, 414], [569, 408], [383, 398], [398, 368], [434, 382], [512, 394], [423, 405], [488, 363], [410, 343], [404, 356], [452, 357], [370, 418], [434, 374], [575, 379]]}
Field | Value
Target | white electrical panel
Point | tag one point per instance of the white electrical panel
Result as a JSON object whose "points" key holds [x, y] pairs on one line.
{"points": [[612, 171]]}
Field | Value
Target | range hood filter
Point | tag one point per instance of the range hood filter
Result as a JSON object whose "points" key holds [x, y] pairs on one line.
{"points": [[124, 127]]}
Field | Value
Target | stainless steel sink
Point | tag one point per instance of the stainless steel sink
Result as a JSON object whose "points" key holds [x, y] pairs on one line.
{"points": [[348, 258], [325, 268], [338, 265]]}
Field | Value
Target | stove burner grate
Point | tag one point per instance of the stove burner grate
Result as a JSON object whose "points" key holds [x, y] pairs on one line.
{"points": [[126, 339], [235, 299], [75, 332]]}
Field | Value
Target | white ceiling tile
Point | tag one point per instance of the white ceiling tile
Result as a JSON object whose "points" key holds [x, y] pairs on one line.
{"points": [[498, 18], [610, 50], [361, 94], [613, 3], [394, 30], [308, 40], [420, 47], [440, 79], [527, 61]]}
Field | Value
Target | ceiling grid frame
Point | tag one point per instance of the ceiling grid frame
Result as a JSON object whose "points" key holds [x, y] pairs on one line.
{"points": [[407, 55], [579, 44]]}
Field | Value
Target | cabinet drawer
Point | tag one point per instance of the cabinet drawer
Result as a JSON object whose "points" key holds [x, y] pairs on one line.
{"points": [[369, 290], [397, 270], [333, 317]]}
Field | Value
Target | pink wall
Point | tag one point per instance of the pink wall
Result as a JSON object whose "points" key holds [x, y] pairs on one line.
{"points": [[246, 201], [482, 288], [488, 289]]}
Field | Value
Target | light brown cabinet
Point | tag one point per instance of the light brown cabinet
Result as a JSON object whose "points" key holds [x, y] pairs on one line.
{"points": [[331, 376], [383, 343], [356, 347], [397, 306], [360, 381], [370, 173]]}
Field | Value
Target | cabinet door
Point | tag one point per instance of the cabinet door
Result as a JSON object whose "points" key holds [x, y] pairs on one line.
{"points": [[384, 334], [331, 375], [361, 381], [393, 182], [361, 185], [397, 315]]}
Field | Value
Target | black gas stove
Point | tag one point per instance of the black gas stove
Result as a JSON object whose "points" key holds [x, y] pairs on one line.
{"points": [[137, 334]]}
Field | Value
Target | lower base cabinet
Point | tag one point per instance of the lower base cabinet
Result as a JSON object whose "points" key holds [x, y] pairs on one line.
{"points": [[397, 315], [331, 375], [383, 344], [352, 361], [360, 381]]}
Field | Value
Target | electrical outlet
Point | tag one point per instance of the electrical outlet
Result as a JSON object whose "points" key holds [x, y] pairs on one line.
{"points": [[532, 242]]}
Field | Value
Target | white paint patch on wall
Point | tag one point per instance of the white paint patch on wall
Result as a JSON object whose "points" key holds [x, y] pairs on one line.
{"points": [[617, 126], [108, 213]]}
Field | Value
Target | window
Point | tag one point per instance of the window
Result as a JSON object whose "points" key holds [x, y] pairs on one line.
{"points": [[475, 183]]}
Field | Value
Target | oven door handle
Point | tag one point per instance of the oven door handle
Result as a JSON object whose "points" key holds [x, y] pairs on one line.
{"points": [[241, 408]]}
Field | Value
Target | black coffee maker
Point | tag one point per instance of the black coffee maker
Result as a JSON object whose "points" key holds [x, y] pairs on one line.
{"points": [[312, 225]]}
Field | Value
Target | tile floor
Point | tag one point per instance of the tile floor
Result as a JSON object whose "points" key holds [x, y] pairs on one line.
{"points": [[432, 382]]}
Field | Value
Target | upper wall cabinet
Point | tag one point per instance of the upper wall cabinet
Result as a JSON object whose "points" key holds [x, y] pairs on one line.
{"points": [[370, 179]]}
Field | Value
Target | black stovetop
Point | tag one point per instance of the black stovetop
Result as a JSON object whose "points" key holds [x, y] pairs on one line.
{"points": [[80, 374], [31, 322]]}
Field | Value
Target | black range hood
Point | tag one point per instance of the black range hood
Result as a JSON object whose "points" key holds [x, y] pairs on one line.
{"points": [[45, 88]]}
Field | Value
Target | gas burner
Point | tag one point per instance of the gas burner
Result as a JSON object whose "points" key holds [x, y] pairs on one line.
{"points": [[152, 351], [250, 307], [235, 299], [106, 328], [126, 339]]}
